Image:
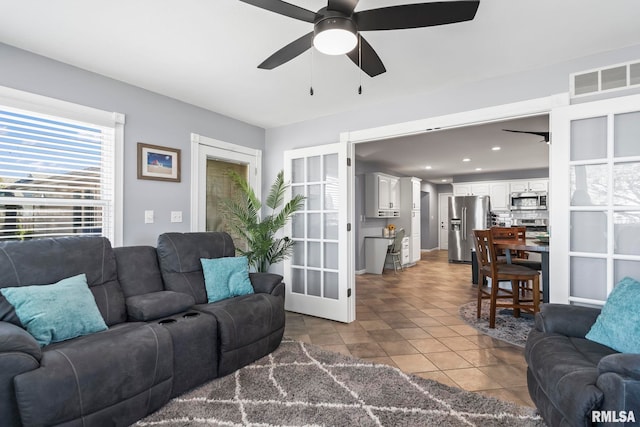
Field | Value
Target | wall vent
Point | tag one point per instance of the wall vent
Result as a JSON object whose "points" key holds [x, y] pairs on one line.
{"points": [[606, 79]]}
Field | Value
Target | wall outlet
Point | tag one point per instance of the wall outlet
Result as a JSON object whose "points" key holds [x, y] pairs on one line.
{"points": [[148, 217], [176, 216]]}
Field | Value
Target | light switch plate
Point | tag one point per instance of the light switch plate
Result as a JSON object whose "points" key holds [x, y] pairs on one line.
{"points": [[176, 216], [148, 217]]}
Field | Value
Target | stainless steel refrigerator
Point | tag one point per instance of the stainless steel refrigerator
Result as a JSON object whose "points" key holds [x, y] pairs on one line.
{"points": [[466, 213]]}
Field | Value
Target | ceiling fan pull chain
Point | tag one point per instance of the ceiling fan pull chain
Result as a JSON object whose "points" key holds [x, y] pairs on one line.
{"points": [[360, 63], [311, 84]]}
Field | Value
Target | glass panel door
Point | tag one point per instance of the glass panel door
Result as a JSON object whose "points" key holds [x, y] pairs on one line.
{"points": [[595, 199], [317, 275]]}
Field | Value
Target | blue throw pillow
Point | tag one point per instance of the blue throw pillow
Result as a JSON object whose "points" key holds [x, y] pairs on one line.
{"points": [[226, 277], [618, 325], [58, 312]]}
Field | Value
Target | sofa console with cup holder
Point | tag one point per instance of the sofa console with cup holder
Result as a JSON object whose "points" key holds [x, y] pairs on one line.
{"points": [[95, 335]]}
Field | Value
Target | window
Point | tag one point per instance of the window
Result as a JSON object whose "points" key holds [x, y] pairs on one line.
{"points": [[60, 172]]}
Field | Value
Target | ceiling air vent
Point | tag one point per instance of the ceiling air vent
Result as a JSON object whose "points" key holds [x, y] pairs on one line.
{"points": [[616, 77]]}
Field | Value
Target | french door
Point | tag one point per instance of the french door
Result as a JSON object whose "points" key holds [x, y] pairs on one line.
{"points": [[595, 199], [319, 275]]}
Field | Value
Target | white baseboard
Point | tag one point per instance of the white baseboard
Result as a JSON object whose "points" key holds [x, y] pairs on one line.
{"points": [[361, 271]]}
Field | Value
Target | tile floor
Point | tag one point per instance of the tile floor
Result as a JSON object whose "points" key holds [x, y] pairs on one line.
{"points": [[410, 320]]}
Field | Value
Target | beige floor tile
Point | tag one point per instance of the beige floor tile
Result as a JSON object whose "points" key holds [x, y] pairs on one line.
{"points": [[423, 322], [429, 345], [480, 357], [441, 331], [448, 360], [325, 339], [356, 337], [386, 335], [414, 363], [381, 360], [452, 321], [465, 329], [374, 325], [506, 375], [396, 348], [413, 333], [458, 343], [340, 348], [472, 379]]}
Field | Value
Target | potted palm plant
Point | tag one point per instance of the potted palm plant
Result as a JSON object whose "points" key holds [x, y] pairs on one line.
{"points": [[243, 215]]}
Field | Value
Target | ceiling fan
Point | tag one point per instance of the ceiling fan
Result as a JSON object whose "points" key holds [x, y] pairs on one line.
{"points": [[336, 28], [545, 135]]}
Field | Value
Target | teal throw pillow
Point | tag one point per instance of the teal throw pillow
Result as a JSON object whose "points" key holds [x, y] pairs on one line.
{"points": [[58, 312], [618, 324], [226, 277]]}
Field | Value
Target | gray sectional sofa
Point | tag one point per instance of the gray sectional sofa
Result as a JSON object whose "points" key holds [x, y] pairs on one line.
{"points": [[163, 338], [569, 377]]}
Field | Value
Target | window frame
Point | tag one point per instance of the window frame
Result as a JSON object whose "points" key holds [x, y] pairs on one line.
{"points": [[38, 104]]}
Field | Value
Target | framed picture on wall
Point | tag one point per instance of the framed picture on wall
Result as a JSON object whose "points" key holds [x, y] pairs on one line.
{"points": [[158, 163]]}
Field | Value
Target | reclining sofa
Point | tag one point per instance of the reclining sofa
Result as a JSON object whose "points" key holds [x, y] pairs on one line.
{"points": [[162, 337], [569, 377]]}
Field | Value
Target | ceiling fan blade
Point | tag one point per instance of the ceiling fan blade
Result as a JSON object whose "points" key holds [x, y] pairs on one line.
{"points": [[371, 62], [416, 15], [545, 135], [284, 8], [288, 52], [344, 6]]}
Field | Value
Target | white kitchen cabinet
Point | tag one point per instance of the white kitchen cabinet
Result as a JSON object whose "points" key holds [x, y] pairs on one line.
{"points": [[522, 186], [499, 196], [471, 189], [410, 214], [382, 195]]}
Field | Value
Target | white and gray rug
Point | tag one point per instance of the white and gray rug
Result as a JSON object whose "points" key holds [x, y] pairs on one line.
{"points": [[508, 328], [302, 385]]}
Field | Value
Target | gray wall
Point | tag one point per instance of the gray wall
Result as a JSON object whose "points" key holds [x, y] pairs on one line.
{"points": [[549, 79], [150, 118]]}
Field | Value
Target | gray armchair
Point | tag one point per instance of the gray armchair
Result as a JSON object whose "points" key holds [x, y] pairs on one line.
{"points": [[569, 376]]}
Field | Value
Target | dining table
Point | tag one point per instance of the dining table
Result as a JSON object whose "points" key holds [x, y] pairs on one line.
{"points": [[529, 245]]}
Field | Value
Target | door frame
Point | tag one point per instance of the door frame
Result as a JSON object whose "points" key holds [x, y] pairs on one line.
{"points": [[202, 148], [442, 199]]}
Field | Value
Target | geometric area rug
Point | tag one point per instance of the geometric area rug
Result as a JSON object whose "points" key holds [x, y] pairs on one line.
{"points": [[303, 385], [511, 329]]}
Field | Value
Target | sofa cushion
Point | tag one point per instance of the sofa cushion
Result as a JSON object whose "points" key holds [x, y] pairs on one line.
{"points": [[226, 277], [40, 261], [155, 305], [618, 325], [91, 375], [138, 270], [566, 370], [57, 312], [179, 257]]}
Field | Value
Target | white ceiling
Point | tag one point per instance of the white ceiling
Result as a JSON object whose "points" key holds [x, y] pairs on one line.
{"points": [[445, 150], [206, 52]]}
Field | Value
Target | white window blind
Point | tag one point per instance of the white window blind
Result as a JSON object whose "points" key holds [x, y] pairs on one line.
{"points": [[56, 176]]}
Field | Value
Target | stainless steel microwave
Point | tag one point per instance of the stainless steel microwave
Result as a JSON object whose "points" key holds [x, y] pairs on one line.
{"points": [[531, 200]]}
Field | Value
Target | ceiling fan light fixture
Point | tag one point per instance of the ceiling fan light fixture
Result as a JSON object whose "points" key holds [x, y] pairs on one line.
{"points": [[335, 36]]}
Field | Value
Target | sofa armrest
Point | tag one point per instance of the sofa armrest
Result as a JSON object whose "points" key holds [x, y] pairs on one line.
{"points": [[154, 305], [625, 364], [266, 283], [14, 339], [564, 319]]}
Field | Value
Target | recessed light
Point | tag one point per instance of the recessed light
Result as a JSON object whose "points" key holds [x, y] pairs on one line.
{"points": [[495, 148], [466, 159], [427, 167], [478, 169], [443, 180]]}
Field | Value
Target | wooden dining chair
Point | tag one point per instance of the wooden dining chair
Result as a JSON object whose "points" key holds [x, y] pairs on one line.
{"points": [[519, 257], [518, 276]]}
